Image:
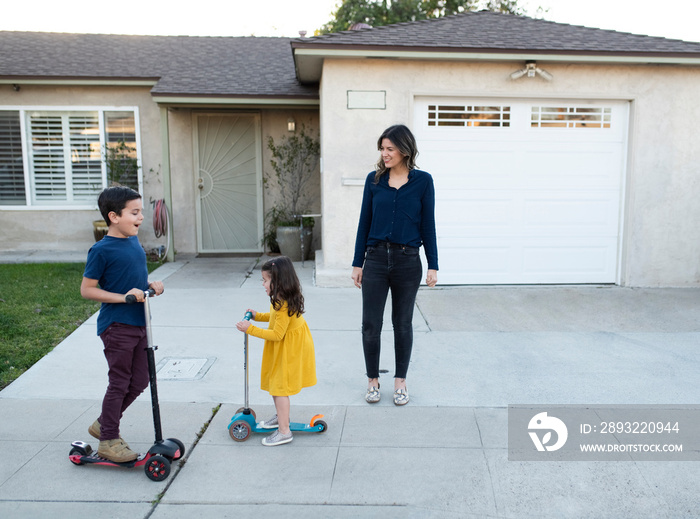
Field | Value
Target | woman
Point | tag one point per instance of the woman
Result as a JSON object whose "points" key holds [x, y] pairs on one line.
{"points": [[397, 217]]}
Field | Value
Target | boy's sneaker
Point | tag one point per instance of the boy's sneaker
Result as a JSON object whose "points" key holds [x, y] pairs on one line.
{"points": [[116, 450], [272, 423], [96, 428], [277, 438]]}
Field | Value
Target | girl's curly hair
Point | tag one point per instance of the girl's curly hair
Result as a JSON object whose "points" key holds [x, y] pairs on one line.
{"points": [[284, 285]]}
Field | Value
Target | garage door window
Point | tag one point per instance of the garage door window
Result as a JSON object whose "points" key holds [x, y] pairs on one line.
{"points": [[469, 116], [571, 117]]}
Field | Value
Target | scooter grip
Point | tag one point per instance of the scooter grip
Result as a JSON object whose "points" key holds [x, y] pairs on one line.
{"points": [[248, 316], [131, 298]]}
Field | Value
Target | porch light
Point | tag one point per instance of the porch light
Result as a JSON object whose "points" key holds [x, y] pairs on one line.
{"points": [[291, 125], [531, 70]]}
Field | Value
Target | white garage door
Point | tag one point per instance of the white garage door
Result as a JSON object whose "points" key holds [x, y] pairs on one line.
{"points": [[527, 191]]}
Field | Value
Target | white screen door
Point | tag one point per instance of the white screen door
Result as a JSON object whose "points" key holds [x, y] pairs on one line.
{"points": [[228, 182]]}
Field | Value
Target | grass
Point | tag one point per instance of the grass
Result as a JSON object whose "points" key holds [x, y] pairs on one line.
{"points": [[40, 305]]}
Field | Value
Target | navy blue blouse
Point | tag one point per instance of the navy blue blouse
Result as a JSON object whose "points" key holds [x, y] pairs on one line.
{"points": [[405, 215]]}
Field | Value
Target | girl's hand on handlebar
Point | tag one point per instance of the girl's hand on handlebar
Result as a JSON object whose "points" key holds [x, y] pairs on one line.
{"points": [[243, 326], [252, 312]]}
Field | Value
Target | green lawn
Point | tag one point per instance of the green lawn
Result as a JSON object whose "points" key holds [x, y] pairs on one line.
{"points": [[40, 305]]}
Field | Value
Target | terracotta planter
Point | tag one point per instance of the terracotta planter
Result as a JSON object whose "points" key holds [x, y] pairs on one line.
{"points": [[99, 229], [289, 240]]}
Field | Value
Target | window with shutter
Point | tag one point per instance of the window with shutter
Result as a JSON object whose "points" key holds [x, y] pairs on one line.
{"points": [[65, 154], [12, 188]]}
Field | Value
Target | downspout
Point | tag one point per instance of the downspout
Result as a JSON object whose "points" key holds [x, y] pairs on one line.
{"points": [[167, 192]]}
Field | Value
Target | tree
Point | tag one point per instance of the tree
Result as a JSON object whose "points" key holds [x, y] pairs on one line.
{"points": [[385, 12]]}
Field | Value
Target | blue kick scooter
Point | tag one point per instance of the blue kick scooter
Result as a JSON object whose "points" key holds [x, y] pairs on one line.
{"points": [[243, 422]]}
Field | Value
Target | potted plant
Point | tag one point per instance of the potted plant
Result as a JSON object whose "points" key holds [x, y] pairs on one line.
{"points": [[122, 169], [294, 161]]}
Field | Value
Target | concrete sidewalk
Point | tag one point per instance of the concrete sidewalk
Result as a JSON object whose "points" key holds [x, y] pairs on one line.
{"points": [[477, 349]]}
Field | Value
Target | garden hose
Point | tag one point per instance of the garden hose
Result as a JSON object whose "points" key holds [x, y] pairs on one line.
{"points": [[161, 224]]}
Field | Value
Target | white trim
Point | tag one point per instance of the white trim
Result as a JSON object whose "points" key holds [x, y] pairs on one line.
{"points": [[9, 208], [86, 82], [496, 56], [233, 101]]}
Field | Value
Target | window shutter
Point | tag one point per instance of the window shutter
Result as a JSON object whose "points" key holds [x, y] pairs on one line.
{"points": [[12, 191], [85, 156], [48, 158]]}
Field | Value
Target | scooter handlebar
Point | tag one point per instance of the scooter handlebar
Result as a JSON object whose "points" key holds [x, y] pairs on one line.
{"points": [[131, 298], [248, 316]]}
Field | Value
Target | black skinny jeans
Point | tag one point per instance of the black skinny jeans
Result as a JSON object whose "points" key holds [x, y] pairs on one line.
{"points": [[397, 268]]}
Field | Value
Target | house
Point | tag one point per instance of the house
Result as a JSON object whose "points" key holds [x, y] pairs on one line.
{"points": [[560, 154]]}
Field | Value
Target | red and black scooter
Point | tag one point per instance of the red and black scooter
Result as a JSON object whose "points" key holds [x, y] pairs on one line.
{"points": [[157, 461]]}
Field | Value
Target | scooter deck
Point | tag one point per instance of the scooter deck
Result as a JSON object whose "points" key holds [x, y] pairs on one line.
{"points": [[242, 425], [80, 459]]}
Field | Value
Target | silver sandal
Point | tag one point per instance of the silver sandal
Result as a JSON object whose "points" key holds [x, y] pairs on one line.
{"points": [[373, 396], [401, 397]]}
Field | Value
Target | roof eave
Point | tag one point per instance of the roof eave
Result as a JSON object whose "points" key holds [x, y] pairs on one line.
{"points": [[308, 60], [189, 99], [77, 80]]}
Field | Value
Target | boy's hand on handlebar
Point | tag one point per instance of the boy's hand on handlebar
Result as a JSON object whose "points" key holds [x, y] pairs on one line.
{"points": [[243, 326], [137, 293], [157, 286]]}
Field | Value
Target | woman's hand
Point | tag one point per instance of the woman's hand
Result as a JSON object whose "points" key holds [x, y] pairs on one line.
{"points": [[253, 313], [243, 326], [431, 278], [357, 276]]}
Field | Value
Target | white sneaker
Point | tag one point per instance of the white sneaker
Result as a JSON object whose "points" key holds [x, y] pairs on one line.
{"points": [[272, 423], [277, 438]]}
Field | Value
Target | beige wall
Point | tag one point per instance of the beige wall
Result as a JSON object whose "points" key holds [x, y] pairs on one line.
{"points": [[68, 229], [661, 235], [180, 120]]}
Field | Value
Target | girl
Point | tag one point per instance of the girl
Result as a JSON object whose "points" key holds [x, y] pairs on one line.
{"points": [[288, 362], [396, 218]]}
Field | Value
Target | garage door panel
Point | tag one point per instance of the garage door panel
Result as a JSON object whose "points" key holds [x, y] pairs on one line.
{"points": [[537, 200]]}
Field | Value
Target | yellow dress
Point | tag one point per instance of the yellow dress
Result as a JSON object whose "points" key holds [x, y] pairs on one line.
{"points": [[288, 362]]}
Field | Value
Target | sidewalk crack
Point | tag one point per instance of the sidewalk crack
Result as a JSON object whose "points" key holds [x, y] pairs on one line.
{"points": [[182, 461]]}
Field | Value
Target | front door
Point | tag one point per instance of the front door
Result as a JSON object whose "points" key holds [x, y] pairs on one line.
{"points": [[228, 173]]}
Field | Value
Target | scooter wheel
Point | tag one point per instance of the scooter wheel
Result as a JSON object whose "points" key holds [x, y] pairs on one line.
{"points": [[239, 430], [251, 412], [76, 452], [180, 446], [157, 468], [323, 425]]}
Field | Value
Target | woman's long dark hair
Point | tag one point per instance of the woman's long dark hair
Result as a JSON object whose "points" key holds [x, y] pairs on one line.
{"points": [[284, 285], [405, 142]]}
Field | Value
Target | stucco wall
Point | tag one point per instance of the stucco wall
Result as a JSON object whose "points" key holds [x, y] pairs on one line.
{"points": [[182, 167], [70, 229], [661, 237]]}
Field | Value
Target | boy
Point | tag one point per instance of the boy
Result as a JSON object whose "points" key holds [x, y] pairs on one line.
{"points": [[116, 266]]}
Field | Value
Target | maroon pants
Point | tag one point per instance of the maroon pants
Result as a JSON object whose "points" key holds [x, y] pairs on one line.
{"points": [[125, 351]]}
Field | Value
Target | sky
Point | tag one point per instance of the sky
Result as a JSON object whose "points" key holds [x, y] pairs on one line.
{"points": [[288, 17]]}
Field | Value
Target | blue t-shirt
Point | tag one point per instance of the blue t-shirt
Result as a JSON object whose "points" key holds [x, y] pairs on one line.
{"points": [[405, 215], [118, 265]]}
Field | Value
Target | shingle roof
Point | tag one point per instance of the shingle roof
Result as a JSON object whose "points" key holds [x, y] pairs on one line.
{"points": [[183, 65], [486, 30], [254, 67]]}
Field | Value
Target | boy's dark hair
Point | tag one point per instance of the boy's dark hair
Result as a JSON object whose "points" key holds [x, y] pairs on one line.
{"points": [[285, 286], [405, 142], [115, 199]]}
